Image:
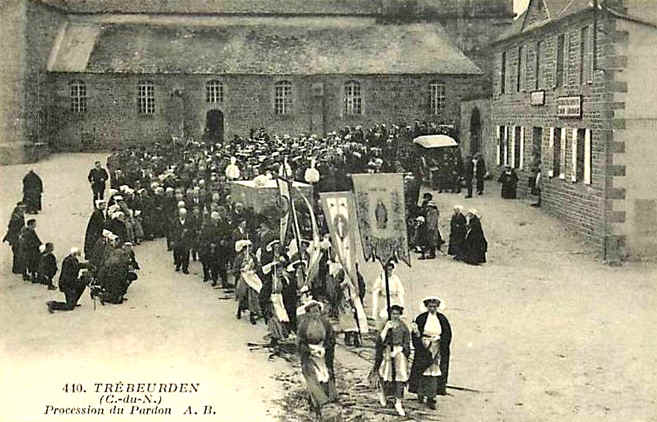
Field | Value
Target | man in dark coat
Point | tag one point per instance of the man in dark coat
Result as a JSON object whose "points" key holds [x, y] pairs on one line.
{"points": [[29, 250], [16, 224], [432, 240], [468, 174], [213, 250], [94, 228], [97, 177], [475, 245], [479, 172], [47, 267], [32, 190], [182, 234], [457, 233], [431, 336], [69, 283]]}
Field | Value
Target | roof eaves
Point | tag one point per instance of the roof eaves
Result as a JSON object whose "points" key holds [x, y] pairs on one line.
{"points": [[538, 25]]}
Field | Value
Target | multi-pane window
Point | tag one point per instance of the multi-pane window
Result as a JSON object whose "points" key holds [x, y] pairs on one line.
{"points": [[353, 101], [146, 97], [283, 97], [503, 73], [78, 96], [214, 92], [437, 97], [538, 77]]}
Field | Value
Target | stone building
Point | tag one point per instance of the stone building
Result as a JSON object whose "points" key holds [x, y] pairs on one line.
{"points": [[88, 74], [574, 89]]}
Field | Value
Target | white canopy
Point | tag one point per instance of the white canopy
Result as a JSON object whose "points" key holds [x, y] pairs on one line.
{"points": [[435, 141]]}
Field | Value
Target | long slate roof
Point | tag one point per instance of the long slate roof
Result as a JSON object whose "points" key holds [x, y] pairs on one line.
{"points": [[269, 49], [328, 7]]}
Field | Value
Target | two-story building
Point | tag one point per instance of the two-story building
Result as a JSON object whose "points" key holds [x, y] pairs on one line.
{"points": [[574, 92]]}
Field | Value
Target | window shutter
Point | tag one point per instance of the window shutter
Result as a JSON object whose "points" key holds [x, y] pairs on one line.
{"points": [[506, 145], [587, 157], [499, 145], [573, 176], [513, 147], [562, 167], [522, 147], [551, 146]]}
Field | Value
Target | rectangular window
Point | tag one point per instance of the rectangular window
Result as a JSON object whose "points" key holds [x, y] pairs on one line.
{"points": [[579, 154], [592, 51], [538, 83], [583, 55], [519, 70], [214, 92], [537, 143], [555, 140], [503, 73], [146, 98], [437, 99], [517, 147], [283, 98], [558, 77], [78, 97]]}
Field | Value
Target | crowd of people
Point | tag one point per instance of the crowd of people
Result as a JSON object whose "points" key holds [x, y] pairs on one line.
{"points": [[182, 192]]}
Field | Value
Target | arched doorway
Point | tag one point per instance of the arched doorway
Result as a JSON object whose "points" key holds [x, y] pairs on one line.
{"points": [[475, 131], [214, 126]]}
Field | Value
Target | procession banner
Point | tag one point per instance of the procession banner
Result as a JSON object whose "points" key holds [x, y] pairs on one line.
{"points": [[284, 207], [339, 209], [314, 251], [382, 216]]}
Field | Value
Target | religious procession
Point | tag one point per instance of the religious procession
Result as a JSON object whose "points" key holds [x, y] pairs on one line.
{"points": [[279, 224]]}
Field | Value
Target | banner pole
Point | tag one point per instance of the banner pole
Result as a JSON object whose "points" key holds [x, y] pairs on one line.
{"points": [[385, 275]]}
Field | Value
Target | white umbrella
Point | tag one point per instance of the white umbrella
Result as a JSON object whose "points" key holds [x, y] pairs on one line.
{"points": [[435, 141]]}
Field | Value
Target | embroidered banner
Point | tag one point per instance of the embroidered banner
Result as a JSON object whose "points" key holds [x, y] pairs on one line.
{"points": [[340, 212], [382, 216], [284, 207]]}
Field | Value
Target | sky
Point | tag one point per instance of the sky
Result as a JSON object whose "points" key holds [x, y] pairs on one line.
{"points": [[519, 6]]}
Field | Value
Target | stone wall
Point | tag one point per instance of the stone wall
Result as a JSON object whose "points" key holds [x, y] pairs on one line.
{"points": [[112, 116], [12, 16], [27, 34], [634, 114]]}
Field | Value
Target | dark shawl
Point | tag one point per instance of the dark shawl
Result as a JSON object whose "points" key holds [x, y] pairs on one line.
{"points": [[475, 245], [423, 358], [94, 231], [457, 234]]}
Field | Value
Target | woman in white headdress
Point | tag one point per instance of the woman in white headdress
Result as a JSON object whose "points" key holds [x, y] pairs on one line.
{"points": [[379, 299]]}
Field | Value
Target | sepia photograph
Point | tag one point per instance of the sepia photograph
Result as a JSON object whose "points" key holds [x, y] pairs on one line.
{"points": [[328, 210]]}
